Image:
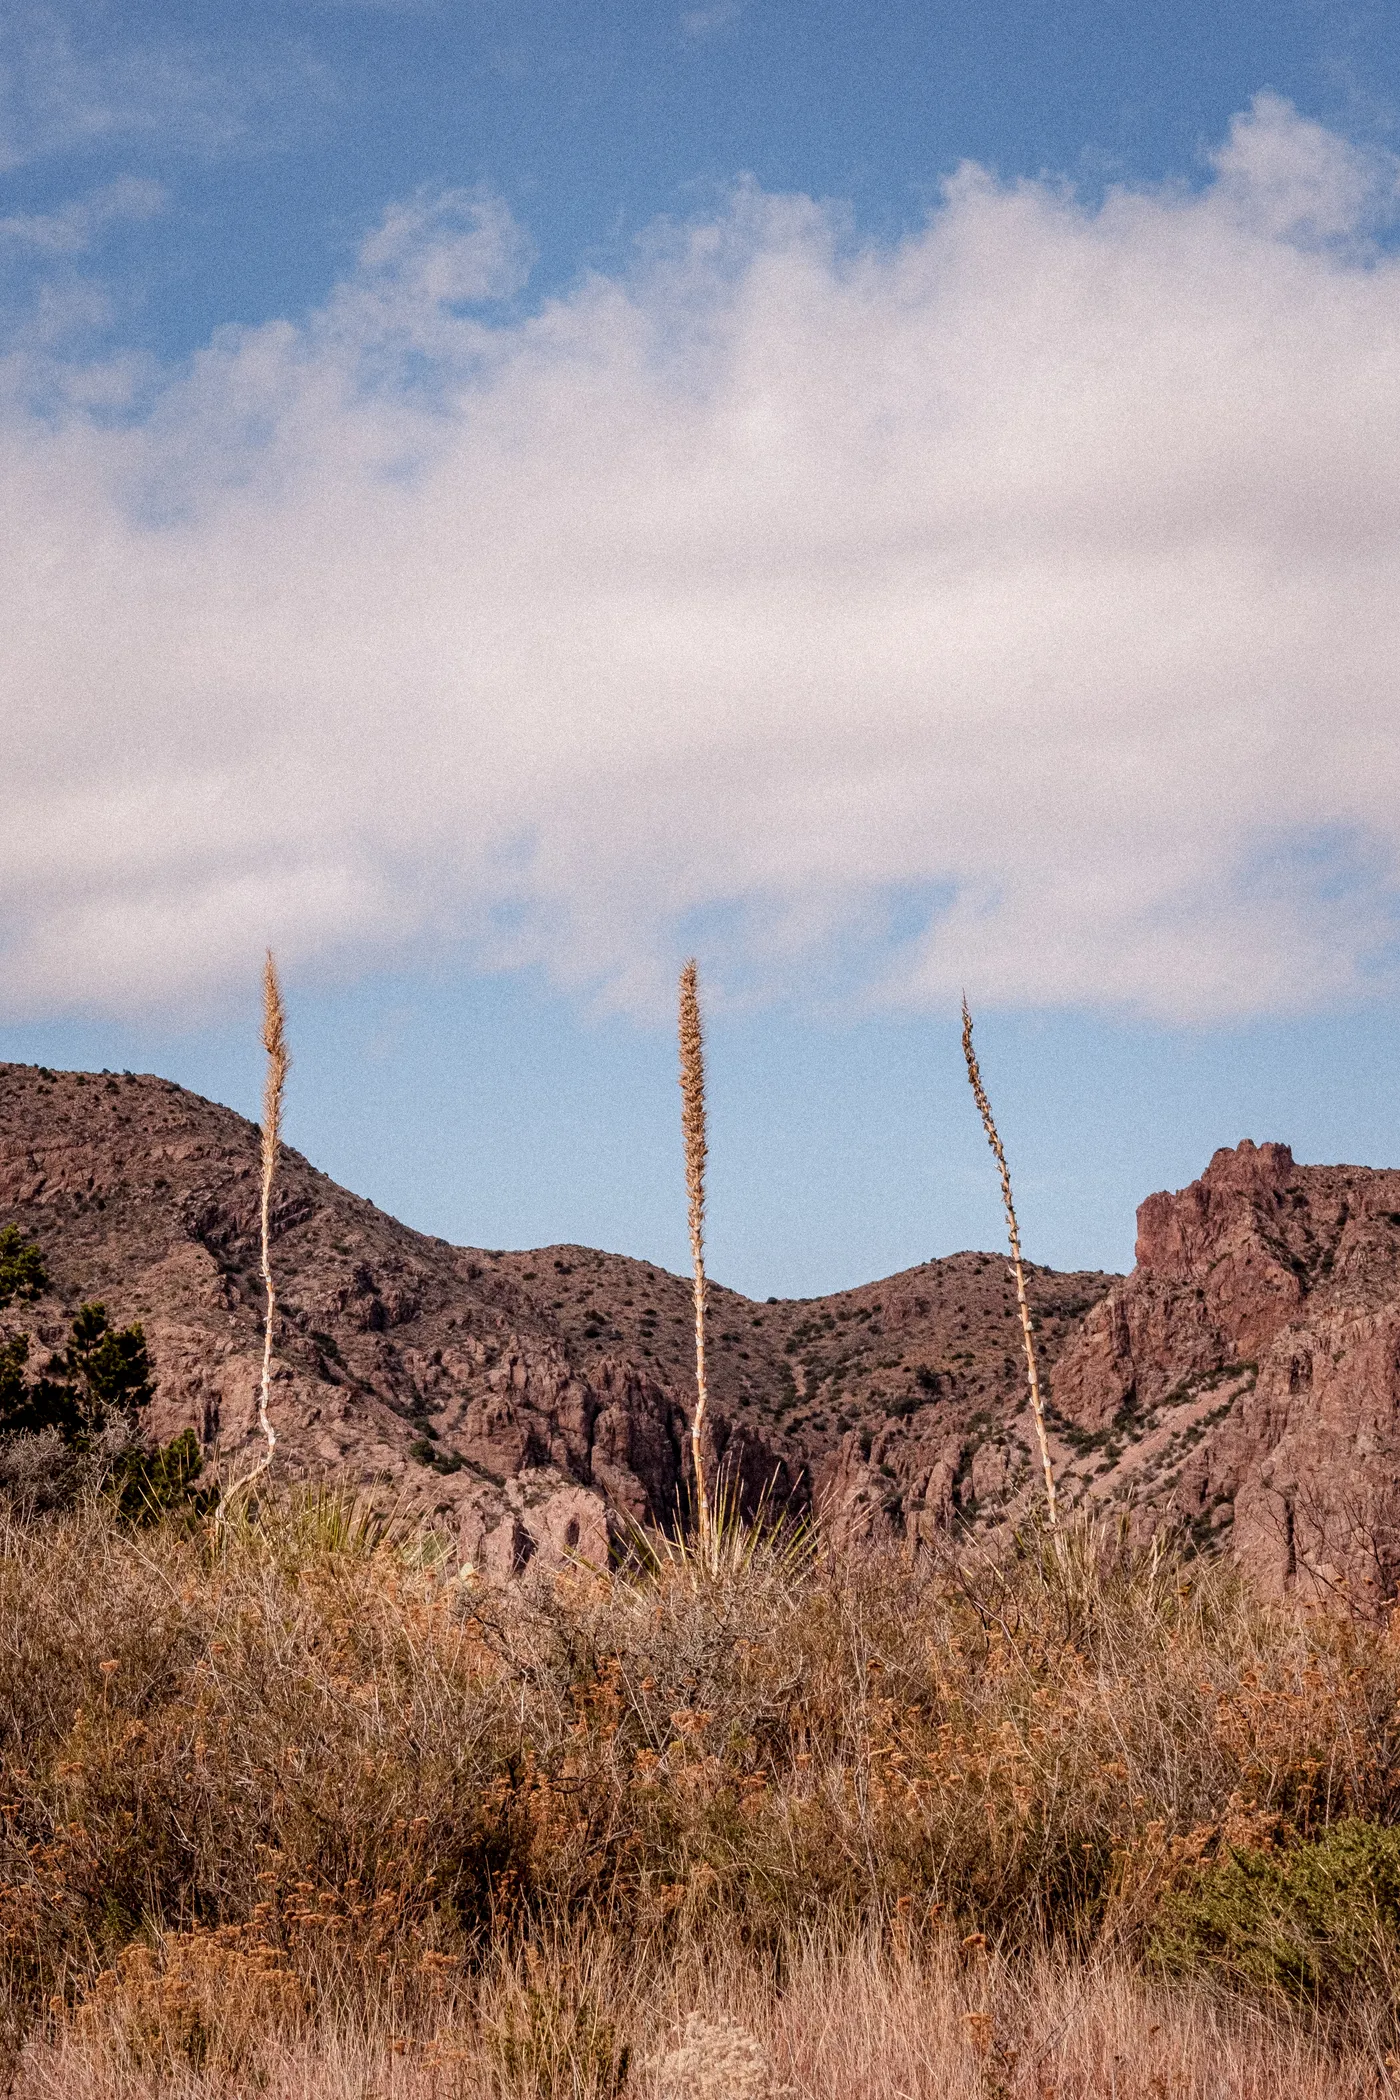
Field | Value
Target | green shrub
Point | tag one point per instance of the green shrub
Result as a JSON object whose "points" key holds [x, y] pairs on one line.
{"points": [[147, 1485], [102, 1379], [1314, 1920], [78, 1423], [22, 1272]]}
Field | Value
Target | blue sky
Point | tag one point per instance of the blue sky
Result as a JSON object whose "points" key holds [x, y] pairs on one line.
{"points": [[499, 497]]}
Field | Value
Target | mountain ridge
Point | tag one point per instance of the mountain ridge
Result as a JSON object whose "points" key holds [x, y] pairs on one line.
{"points": [[529, 1399], [1240, 1386]]}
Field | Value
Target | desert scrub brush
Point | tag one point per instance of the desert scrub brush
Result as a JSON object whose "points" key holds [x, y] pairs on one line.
{"points": [[979, 1094], [692, 1047], [718, 2060], [274, 1037]]}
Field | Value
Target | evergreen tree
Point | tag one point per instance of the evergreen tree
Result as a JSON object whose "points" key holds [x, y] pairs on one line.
{"points": [[22, 1272], [101, 1380], [108, 1369]]}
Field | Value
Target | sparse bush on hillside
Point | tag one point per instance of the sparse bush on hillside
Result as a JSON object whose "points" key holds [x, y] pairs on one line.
{"points": [[22, 1272], [77, 1423]]}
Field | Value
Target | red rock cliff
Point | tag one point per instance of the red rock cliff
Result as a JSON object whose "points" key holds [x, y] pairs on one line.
{"points": [[1245, 1379]]}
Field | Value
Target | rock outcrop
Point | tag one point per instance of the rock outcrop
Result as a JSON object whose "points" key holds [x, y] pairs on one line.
{"points": [[1244, 1381], [1242, 1384], [526, 1401]]}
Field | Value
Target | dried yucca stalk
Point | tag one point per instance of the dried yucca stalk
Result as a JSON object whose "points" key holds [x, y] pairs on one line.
{"points": [[979, 1093], [274, 1086], [692, 1045]]}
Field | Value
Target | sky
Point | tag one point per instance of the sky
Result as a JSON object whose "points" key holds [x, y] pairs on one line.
{"points": [[893, 501]]}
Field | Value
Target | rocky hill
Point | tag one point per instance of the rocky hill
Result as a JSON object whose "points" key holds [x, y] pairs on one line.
{"points": [[521, 1398], [1243, 1382], [1245, 1379]]}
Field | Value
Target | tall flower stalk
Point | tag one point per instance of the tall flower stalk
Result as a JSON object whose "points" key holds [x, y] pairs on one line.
{"points": [[692, 1048], [274, 1037], [274, 1087], [979, 1094]]}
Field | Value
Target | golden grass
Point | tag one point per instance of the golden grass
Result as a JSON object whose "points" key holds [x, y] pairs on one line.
{"points": [[1014, 1235], [692, 1050], [594, 2021], [278, 1798]]}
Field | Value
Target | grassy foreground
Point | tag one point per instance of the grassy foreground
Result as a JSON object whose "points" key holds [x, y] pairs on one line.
{"points": [[295, 1809]]}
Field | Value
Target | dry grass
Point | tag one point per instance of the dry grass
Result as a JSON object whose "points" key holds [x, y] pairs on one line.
{"points": [[859, 2023], [277, 1799]]}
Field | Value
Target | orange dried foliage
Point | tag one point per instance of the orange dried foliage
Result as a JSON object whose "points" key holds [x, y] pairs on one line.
{"points": [[360, 1772]]}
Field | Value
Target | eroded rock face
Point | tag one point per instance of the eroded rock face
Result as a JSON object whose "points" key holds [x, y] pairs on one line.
{"points": [[1245, 1379], [537, 1519], [1243, 1382], [510, 1397], [398, 1359]]}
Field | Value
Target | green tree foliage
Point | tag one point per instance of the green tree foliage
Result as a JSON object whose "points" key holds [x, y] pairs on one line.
{"points": [[108, 1367], [25, 1408], [22, 1272], [14, 1356], [1308, 1920], [101, 1381]]}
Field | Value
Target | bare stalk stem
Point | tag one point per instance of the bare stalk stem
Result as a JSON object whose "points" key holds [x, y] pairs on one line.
{"points": [[274, 1085], [979, 1094], [692, 1047]]}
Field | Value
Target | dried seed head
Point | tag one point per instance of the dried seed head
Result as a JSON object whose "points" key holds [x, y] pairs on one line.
{"points": [[274, 1037], [278, 1062], [692, 1047], [692, 1042], [979, 1095]]}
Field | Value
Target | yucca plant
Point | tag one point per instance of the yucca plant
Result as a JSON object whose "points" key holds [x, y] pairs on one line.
{"points": [[692, 1049], [737, 1544], [979, 1094], [274, 1037]]}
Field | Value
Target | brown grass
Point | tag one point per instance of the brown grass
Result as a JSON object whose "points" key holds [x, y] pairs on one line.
{"points": [[861, 2022], [279, 1798]]}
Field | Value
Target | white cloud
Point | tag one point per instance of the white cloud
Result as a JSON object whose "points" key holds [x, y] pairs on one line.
{"points": [[72, 82], [75, 226], [711, 20], [1045, 569], [1297, 181]]}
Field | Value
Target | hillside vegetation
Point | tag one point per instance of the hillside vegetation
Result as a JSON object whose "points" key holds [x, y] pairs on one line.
{"points": [[291, 1805]]}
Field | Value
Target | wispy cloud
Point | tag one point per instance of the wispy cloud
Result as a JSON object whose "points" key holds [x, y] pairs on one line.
{"points": [[75, 227], [713, 20], [72, 83], [1044, 569]]}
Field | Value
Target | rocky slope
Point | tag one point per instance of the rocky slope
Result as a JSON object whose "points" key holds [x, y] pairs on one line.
{"points": [[524, 1399], [1245, 1379], [1243, 1383]]}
